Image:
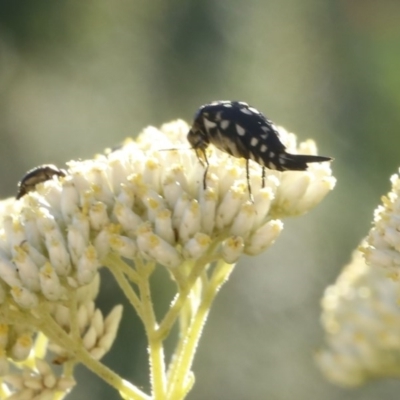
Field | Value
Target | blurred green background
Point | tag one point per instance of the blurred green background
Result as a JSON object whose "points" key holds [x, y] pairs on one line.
{"points": [[79, 76]]}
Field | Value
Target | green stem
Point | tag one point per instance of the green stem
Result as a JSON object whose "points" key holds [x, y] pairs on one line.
{"points": [[43, 322], [124, 284], [115, 261], [54, 332], [184, 291], [180, 373], [156, 350]]}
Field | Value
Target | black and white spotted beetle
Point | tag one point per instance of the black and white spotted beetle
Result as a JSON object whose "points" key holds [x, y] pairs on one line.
{"points": [[37, 175], [242, 131]]}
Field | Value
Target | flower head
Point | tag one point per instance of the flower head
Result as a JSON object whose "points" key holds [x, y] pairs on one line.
{"points": [[382, 247], [361, 313], [361, 318], [139, 205]]}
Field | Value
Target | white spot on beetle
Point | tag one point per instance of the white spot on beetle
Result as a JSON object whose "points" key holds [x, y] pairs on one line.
{"points": [[263, 148], [254, 141], [224, 123], [265, 128], [240, 130], [245, 111], [218, 116], [209, 124], [254, 110]]}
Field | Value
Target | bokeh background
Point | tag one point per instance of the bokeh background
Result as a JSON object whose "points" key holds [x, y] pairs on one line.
{"points": [[79, 76]]}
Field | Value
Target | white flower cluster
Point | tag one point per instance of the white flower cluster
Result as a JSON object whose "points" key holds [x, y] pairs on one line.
{"points": [[96, 332], [38, 383], [361, 312], [383, 242], [141, 201], [361, 319]]}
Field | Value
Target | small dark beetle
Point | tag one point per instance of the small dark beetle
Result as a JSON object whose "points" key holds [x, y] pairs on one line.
{"points": [[37, 175], [242, 131]]}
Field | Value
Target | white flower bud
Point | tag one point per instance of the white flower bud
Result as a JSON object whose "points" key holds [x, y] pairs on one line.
{"points": [[179, 208], [123, 245], [197, 246], [23, 297], [232, 249], [112, 320], [50, 283], [97, 322], [45, 221], [292, 188], [172, 190], [97, 353], [27, 270], [118, 175], [163, 252], [154, 203], [81, 222], [58, 253], [65, 384], [87, 266], [62, 316], [98, 216], [178, 174], [22, 347], [84, 315], [107, 336], [208, 206], [263, 237], [244, 220], [69, 199], [262, 204], [33, 383], [90, 338], [157, 248], [125, 196], [163, 225], [14, 232], [316, 191], [229, 175], [152, 172], [76, 243], [128, 219], [43, 367], [97, 176], [32, 233], [8, 272], [190, 221], [143, 232], [38, 258], [230, 205], [102, 241]]}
